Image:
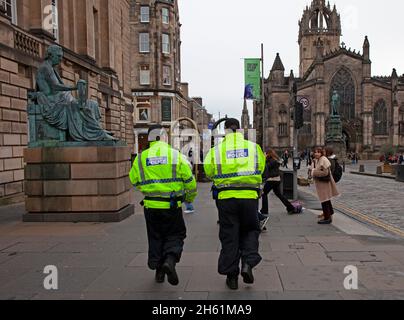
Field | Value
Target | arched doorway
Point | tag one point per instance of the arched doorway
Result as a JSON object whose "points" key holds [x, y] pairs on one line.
{"points": [[347, 140]]}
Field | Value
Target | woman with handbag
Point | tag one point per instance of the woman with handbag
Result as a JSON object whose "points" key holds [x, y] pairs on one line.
{"points": [[325, 184]]}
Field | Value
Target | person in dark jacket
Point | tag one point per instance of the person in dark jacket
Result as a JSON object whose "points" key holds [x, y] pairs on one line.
{"points": [[273, 182]]}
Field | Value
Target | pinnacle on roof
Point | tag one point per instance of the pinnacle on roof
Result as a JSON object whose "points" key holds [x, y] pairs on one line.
{"points": [[278, 65]]}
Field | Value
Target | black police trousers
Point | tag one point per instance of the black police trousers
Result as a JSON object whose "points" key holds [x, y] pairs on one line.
{"points": [[166, 233], [239, 235]]}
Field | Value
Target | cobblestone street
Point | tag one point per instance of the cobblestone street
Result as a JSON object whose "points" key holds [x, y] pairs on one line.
{"points": [[376, 197]]}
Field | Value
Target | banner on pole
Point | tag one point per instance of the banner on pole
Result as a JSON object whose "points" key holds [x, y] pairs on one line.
{"points": [[252, 79]]}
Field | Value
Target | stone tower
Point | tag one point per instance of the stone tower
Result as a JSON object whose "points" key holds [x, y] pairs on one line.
{"points": [[319, 22]]}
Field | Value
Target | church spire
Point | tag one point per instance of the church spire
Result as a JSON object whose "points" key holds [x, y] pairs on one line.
{"points": [[245, 118]]}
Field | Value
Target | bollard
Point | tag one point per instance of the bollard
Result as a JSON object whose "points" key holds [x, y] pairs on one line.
{"points": [[362, 168], [379, 170], [394, 169], [343, 166], [400, 173]]}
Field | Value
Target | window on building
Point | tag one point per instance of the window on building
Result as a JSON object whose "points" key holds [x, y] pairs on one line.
{"points": [[144, 43], [144, 14], [165, 13], [166, 109], [10, 8], [166, 43], [283, 130], [143, 109], [380, 118], [344, 84], [401, 128], [283, 122], [167, 75], [144, 75], [307, 121]]}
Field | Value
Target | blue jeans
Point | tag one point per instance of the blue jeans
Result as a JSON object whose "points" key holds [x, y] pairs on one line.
{"points": [[189, 206]]}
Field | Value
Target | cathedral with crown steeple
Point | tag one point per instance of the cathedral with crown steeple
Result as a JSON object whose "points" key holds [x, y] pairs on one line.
{"points": [[372, 107]]}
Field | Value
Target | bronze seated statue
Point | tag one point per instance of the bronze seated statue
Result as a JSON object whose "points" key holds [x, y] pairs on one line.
{"points": [[54, 114]]}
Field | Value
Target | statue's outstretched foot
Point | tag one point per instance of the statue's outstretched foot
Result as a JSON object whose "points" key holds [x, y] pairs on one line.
{"points": [[111, 138]]}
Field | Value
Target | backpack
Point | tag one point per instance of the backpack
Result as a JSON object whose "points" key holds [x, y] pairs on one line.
{"points": [[271, 169], [337, 171]]}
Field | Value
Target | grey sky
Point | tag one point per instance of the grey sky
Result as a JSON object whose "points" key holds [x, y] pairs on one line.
{"points": [[217, 34]]}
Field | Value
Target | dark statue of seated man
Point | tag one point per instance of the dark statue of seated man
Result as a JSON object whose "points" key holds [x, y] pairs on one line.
{"points": [[80, 118]]}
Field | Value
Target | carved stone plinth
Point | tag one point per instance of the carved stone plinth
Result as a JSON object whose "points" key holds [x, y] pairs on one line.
{"points": [[334, 130], [77, 183]]}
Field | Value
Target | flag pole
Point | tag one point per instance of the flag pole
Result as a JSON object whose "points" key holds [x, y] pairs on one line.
{"points": [[263, 98]]}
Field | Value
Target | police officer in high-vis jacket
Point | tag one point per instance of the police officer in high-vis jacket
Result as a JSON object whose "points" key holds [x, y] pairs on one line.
{"points": [[164, 177], [236, 166]]}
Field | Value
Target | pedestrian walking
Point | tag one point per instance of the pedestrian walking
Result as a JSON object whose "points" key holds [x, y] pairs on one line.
{"points": [[164, 177], [236, 166], [325, 184], [285, 158], [401, 158]]}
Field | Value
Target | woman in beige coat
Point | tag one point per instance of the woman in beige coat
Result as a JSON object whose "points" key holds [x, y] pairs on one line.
{"points": [[325, 184]]}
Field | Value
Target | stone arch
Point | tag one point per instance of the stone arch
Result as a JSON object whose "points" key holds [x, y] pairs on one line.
{"points": [[343, 82]]}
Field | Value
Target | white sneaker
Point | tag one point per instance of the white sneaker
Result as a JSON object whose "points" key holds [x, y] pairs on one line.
{"points": [[264, 223], [189, 211]]}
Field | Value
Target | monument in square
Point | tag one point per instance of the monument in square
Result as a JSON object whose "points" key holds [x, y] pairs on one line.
{"points": [[335, 138], [75, 170]]}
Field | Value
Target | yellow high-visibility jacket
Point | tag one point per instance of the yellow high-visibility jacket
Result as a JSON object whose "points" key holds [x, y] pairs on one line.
{"points": [[237, 164], [162, 172]]}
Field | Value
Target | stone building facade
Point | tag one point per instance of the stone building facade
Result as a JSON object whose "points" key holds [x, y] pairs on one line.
{"points": [[199, 113], [372, 108], [160, 96], [95, 36]]}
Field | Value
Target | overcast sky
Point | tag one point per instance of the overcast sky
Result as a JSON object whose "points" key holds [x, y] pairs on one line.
{"points": [[217, 34]]}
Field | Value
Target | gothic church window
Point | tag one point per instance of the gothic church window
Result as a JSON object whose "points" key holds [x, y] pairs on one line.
{"points": [[345, 86], [307, 121], [283, 122], [380, 118]]}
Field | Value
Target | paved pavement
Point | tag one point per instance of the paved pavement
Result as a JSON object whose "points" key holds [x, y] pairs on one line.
{"points": [[376, 199], [301, 260]]}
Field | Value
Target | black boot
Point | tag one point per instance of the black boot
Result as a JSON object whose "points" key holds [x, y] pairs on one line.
{"points": [[232, 283], [169, 269], [247, 274], [160, 275]]}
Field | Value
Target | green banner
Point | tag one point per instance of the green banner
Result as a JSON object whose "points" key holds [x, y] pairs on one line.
{"points": [[252, 79]]}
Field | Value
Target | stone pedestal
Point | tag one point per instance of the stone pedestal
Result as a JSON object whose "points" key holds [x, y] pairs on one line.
{"points": [[334, 131], [334, 137], [70, 182]]}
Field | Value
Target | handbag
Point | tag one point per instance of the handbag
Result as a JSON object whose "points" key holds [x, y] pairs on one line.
{"points": [[327, 178]]}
